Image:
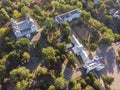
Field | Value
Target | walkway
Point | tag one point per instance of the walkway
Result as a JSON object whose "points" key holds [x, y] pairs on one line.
{"points": [[38, 35]]}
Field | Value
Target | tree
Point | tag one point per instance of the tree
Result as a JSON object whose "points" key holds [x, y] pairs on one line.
{"points": [[3, 32], [22, 43], [97, 85], [79, 5], [25, 10], [107, 38], [48, 54], [49, 22], [7, 3], [71, 58], [41, 71], [83, 83], [14, 57], [89, 88], [25, 57], [117, 37], [60, 82], [93, 47], [19, 74], [54, 3], [90, 5], [4, 14], [77, 87], [51, 87], [2, 66], [72, 82], [37, 10], [107, 79], [85, 15], [62, 47], [66, 31], [9, 44], [16, 14], [23, 85], [2, 70]]}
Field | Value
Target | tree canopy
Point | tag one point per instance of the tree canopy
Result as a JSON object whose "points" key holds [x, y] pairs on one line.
{"points": [[60, 82], [19, 74]]}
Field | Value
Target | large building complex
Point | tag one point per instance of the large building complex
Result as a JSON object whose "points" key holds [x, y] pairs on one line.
{"points": [[95, 63], [67, 17], [24, 28]]}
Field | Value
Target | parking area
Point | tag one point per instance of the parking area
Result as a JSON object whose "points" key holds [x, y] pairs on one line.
{"points": [[111, 68]]}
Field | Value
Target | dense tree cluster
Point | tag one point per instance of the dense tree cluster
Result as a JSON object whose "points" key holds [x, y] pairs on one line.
{"points": [[15, 55]]}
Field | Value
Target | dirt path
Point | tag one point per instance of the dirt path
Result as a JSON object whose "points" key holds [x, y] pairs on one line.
{"points": [[52, 11], [38, 35]]}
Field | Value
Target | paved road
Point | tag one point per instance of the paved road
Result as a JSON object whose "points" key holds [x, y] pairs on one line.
{"points": [[111, 68]]}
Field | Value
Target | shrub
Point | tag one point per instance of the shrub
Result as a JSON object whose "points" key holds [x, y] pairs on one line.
{"points": [[107, 79], [93, 47]]}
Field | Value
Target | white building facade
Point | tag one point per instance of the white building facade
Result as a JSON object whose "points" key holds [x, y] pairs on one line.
{"points": [[67, 17], [24, 28]]}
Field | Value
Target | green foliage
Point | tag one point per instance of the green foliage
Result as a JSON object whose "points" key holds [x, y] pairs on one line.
{"points": [[19, 74], [83, 83], [69, 39], [107, 79], [2, 66], [4, 16], [93, 47], [22, 43], [49, 22], [97, 85], [37, 10], [89, 88], [25, 10], [61, 47], [25, 57], [88, 80], [9, 44], [77, 87], [14, 57], [97, 24], [48, 54], [85, 15], [117, 37], [107, 38], [90, 5], [40, 71], [51, 87], [6, 80], [71, 58], [108, 87], [57, 33], [3, 32], [66, 31], [79, 5], [23, 85], [16, 14], [55, 3], [108, 19], [72, 82], [60, 82]]}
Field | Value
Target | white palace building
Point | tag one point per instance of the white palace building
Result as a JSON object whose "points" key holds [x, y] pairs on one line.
{"points": [[24, 28]]}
